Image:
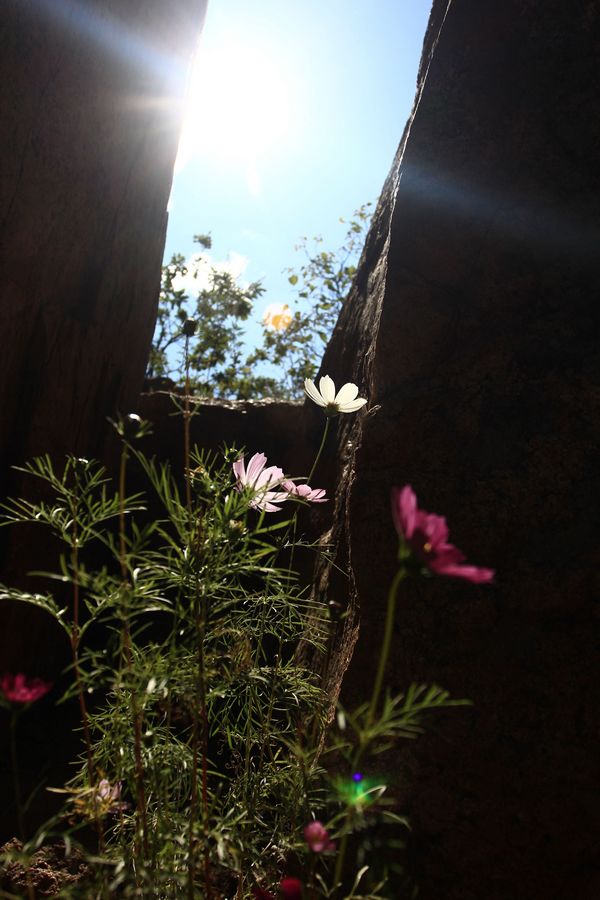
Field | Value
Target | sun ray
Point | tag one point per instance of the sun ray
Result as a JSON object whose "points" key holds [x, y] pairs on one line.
{"points": [[238, 107]]}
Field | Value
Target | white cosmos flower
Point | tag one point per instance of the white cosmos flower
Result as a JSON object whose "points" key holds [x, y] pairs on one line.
{"points": [[345, 401]]}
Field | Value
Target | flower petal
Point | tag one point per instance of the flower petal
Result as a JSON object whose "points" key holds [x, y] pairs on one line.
{"points": [[346, 394], [327, 389], [404, 510], [474, 574], [259, 894], [436, 530], [427, 535], [353, 406], [317, 837], [268, 499], [239, 470], [255, 467], [311, 392], [270, 475], [291, 889]]}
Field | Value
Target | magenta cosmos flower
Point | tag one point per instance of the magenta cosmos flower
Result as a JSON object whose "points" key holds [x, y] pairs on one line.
{"points": [[317, 837], [261, 481], [305, 492], [20, 689], [427, 537], [291, 889]]}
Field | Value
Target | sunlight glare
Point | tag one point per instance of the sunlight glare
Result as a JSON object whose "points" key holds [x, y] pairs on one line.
{"points": [[238, 107]]}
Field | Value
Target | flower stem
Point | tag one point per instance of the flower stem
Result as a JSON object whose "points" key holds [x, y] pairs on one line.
{"points": [[186, 430], [378, 684], [15, 773], [75, 638], [200, 720], [128, 655], [319, 451], [18, 796], [291, 538], [387, 640], [339, 863], [200, 742]]}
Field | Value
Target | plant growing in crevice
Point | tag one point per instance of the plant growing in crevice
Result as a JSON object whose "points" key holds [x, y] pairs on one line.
{"points": [[207, 766]]}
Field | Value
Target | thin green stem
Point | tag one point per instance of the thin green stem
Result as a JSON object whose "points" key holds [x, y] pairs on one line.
{"points": [[75, 638], [186, 430], [339, 863], [17, 790], [387, 641], [384, 654], [200, 728], [15, 772], [122, 542], [319, 451], [265, 723], [128, 655], [200, 741], [291, 539], [76, 669], [193, 803]]}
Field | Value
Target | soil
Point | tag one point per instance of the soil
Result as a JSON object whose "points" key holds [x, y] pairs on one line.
{"points": [[52, 870]]}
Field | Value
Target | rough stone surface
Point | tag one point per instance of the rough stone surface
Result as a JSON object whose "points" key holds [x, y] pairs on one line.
{"points": [[91, 101], [473, 324], [276, 428]]}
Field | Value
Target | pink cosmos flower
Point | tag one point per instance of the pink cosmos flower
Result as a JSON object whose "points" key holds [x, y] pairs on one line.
{"points": [[260, 894], [305, 492], [291, 889], [427, 536], [109, 796], [261, 481], [20, 689], [317, 837]]}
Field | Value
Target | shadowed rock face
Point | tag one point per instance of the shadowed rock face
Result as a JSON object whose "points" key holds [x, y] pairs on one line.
{"points": [[473, 323], [91, 102]]}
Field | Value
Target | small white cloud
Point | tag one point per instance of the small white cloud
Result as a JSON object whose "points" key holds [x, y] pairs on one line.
{"points": [[252, 235], [199, 267], [235, 264]]}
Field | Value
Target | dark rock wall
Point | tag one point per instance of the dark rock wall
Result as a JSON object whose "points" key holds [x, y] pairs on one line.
{"points": [[474, 325], [90, 109], [91, 102]]}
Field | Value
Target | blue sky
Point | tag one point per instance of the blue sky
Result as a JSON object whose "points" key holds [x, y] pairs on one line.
{"points": [[295, 113]]}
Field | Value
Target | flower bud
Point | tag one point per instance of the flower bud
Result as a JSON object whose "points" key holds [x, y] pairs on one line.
{"points": [[189, 327]]}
